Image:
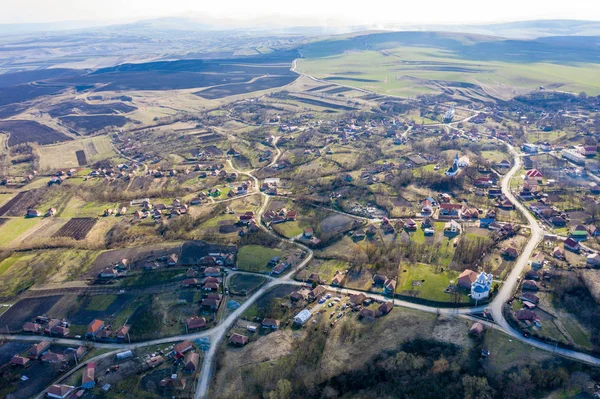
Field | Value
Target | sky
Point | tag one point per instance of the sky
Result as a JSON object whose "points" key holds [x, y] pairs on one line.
{"points": [[302, 12]]}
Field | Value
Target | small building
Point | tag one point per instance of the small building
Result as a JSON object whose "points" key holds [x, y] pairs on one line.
{"points": [[238, 339], [195, 323], [302, 317], [191, 362], [38, 349], [33, 328], [182, 347], [60, 391], [122, 332], [530, 285], [17, 360], [389, 287], [537, 262], [308, 232], [385, 308], [94, 328], [593, 259], [477, 329], [88, 377], [271, 324], [530, 297], [558, 253], [572, 245], [466, 278], [357, 299]]}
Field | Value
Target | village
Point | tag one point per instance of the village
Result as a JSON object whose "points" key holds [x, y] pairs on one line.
{"points": [[213, 249]]}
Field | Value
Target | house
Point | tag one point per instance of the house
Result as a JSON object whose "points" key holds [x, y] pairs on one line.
{"points": [[511, 253], [212, 272], [88, 376], [530, 148], [411, 225], [308, 232], [593, 259], [195, 323], [385, 308], [558, 253], [122, 332], [191, 362], [390, 287], [579, 233], [211, 303], [366, 314], [314, 278], [537, 262], [533, 174], [470, 213], [271, 324], [477, 329], [172, 260], [525, 314], [17, 360], [481, 287], [238, 339], [51, 357], [379, 280], [190, 282], [529, 297], [173, 383], [302, 317], [451, 228], [506, 204], [317, 292], [33, 328], [32, 213], [36, 350], [211, 287], [182, 347], [485, 222], [337, 279], [466, 278], [558, 221], [60, 391], [450, 210], [530, 285], [357, 299], [94, 328], [571, 245]]}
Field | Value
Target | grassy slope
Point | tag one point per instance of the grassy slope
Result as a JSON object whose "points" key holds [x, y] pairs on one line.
{"points": [[393, 76]]}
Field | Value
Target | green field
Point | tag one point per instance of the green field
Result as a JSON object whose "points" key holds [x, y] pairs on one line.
{"points": [[255, 257], [100, 302], [410, 71], [432, 287], [289, 229], [15, 227]]}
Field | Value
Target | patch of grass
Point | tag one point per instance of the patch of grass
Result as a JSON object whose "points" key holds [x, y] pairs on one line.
{"points": [[255, 257], [15, 227], [289, 229], [433, 283], [100, 302]]}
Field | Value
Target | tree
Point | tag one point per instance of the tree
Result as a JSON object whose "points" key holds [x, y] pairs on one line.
{"points": [[283, 390], [476, 387]]}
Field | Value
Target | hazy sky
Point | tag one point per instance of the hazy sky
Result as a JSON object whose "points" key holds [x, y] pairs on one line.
{"points": [[318, 11]]}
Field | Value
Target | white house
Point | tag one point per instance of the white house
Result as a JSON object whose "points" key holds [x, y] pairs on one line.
{"points": [[480, 288], [302, 317], [593, 259]]}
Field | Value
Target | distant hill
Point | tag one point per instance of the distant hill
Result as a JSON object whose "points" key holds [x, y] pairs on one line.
{"points": [[467, 46]]}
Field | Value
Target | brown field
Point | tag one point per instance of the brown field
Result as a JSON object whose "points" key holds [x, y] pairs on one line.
{"points": [[76, 228]]}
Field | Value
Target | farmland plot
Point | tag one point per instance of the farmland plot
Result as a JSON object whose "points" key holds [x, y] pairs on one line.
{"points": [[76, 228]]}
